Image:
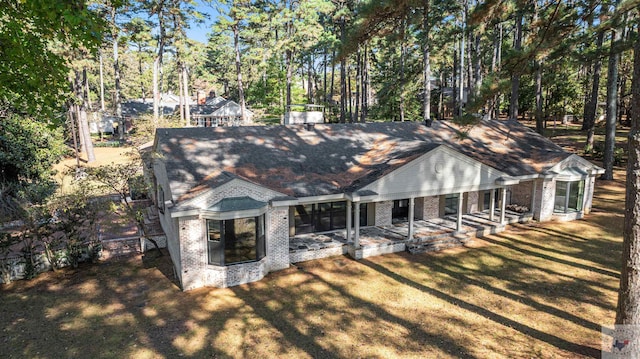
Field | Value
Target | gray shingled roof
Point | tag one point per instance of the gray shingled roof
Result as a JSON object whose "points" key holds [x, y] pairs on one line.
{"points": [[336, 158]]}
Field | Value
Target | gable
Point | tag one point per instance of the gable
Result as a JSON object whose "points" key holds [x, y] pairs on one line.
{"points": [[230, 109], [440, 171], [575, 162], [234, 188]]}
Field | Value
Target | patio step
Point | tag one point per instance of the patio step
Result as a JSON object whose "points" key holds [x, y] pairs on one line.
{"points": [[438, 244]]}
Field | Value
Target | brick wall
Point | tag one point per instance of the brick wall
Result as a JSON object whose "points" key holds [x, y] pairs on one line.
{"points": [[589, 184], [229, 276], [521, 193], [383, 213], [193, 252], [431, 207], [278, 238], [195, 271], [545, 196], [307, 255], [419, 208], [472, 202]]}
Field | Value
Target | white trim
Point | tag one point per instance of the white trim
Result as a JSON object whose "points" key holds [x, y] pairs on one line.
{"points": [[575, 161], [323, 198], [206, 214], [210, 192], [449, 152]]}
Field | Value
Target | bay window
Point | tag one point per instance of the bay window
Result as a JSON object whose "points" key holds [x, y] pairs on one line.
{"points": [[569, 196], [235, 240]]}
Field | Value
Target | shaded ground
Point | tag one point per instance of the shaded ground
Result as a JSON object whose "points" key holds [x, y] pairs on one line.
{"points": [[536, 290], [533, 291]]}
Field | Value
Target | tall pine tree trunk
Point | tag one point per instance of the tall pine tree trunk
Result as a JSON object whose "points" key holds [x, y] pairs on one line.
{"points": [[116, 75], [365, 85], [628, 311], [157, 67], [589, 122], [356, 116], [236, 46], [426, 63], [185, 85], [83, 125], [403, 55], [496, 70], [180, 91], [515, 78], [343, 75], [101, 82], [612, 106], [539, 114], [454, 93]]}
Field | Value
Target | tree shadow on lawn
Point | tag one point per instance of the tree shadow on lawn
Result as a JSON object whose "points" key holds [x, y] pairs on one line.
{"points": [[111, 310], [517, 278], [597, 249], [343, 316], [508, 243], [486, 313]]}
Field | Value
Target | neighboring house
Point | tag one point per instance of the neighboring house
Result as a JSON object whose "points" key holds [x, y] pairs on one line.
{"points": [[219, 112], [232, 200]]}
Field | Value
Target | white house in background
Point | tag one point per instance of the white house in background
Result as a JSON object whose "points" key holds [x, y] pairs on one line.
{"points": [[219, 112], [233, 201]]}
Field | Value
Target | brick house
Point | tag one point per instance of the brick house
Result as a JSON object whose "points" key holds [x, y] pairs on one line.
{"points": [[232, 199]]}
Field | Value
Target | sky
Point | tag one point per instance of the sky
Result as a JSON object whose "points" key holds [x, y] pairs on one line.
{"points": [[199, 32]]}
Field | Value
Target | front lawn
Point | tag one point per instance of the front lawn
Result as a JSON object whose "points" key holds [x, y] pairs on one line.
{"points": [[539, 290]]}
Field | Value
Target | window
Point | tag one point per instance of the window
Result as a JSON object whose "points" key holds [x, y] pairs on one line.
{"points": [[320, 217], [451, 203], [236, 240], [400, 209], [569, 196], [487, 199]]}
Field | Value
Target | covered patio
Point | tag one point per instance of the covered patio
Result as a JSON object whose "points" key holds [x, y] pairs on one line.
{"points": [[427, 235]]}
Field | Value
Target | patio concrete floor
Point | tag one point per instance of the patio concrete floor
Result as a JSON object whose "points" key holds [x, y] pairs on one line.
{"points": [[425, 231]]}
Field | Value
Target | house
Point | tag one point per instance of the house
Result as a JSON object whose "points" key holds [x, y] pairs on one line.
{"points": [[219, 112], [234, 202]]}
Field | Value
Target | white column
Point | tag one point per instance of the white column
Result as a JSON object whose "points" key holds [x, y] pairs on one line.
{"points": [[349, 221], [411, 215], [503, 204], [533, 196], [459, 220], [492, 205], [356, 212]]}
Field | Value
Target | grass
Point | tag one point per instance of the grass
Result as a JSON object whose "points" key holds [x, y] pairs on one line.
{"points": [[540, 290], [104, 156]]}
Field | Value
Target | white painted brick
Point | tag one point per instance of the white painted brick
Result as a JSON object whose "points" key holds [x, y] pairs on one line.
{"points": [[472, 202], [383, 213], [431, 207], [278, 238]]}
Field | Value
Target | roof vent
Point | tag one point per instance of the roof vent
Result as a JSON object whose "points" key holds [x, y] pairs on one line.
{"points": [[309, 126], [428, 122]]}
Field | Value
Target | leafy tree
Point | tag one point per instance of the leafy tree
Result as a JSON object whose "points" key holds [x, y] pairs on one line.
{"points": [[28, 149], [33, 74]]}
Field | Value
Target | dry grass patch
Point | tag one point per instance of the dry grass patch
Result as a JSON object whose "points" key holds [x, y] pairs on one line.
{"points": [[539, 290]]}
